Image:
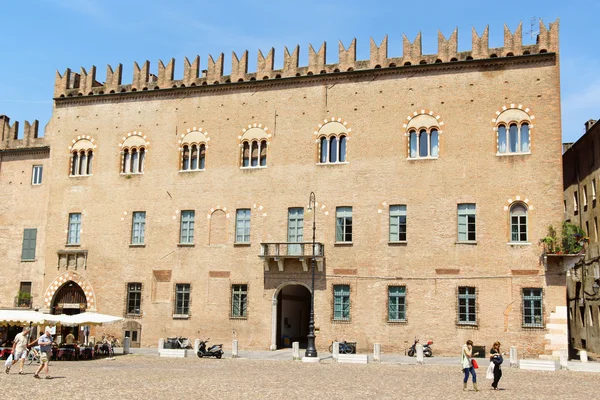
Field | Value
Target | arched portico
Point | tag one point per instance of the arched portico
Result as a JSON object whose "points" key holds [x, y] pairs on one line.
{"points": [[61, 280], [278, 312]]}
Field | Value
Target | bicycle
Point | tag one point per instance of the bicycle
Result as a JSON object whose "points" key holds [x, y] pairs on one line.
{"points": [[33, 355], [345, 348]]}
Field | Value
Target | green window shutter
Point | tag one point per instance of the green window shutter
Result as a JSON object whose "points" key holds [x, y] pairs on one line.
{"points": [[29, 241]]}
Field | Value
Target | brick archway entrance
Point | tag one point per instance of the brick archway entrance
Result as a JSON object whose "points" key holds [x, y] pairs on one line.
{"points": [[290, 315]]}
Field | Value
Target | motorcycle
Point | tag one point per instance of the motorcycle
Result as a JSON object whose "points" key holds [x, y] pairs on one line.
{"points": [[216, 350], [426, 348]]}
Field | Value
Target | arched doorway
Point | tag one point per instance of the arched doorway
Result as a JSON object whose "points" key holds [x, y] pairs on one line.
{"points": [[69, 299], [132, 330], [292, 310]]}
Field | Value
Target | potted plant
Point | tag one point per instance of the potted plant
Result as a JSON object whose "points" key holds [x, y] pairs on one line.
{"points": [[24, 299]]}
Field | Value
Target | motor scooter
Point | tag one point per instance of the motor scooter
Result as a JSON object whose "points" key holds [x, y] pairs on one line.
{"points": [[216, 350], [426, 349]]}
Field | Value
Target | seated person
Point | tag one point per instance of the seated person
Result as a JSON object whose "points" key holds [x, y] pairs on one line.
{"points": [[70, 339]]}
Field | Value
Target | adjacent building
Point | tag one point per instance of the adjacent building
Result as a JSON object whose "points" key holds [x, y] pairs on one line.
{"points": [[581, 174], [184, 204]]}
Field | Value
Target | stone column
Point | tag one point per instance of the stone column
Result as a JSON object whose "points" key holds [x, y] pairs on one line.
{"points": [[419, 348], [514, 361], [377, 352], [126, 345], [196, 345], [274, 324], [296, 351], [336, 350], [161, 344], [234, 349]]}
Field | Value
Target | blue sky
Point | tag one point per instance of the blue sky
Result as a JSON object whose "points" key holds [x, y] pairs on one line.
{"points": [[38, 37]]}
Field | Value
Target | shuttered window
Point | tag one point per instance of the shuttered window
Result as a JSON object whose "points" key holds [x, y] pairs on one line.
{"points": [[28, 249], [341, 302]]}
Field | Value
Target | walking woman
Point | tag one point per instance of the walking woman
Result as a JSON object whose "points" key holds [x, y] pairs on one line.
{"points": [[467, 364], [496, 358]]}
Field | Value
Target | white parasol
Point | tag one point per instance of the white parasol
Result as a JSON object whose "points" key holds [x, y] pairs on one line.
{"points": [[27, 317], [90, 318]]}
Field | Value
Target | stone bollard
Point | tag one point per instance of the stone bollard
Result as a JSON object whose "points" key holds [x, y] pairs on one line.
{"points": [[336, 350], [196, 345], [514, 361], [234, 349], [583, 356], [296, 351], [161, 344], [419, 353], [126, 345], [564, 358], [377, 352]]}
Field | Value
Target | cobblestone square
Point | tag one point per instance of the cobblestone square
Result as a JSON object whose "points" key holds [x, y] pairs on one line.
{"points": [[151, 377]]}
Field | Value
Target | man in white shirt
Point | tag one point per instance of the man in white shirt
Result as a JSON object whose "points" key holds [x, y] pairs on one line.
{"points": [[19, 350]]}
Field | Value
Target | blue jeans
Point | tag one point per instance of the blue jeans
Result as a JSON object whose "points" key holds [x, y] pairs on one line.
{"points": [[473, 374]]}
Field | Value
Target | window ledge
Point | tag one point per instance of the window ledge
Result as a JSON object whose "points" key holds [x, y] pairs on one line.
{"points": [[341, 321], [471, 242], [186, 171], [473, 325], [398, 243], [525, 153], [533, 327], [131, 173], [398, 322], [421, 158], [242, 244], [342, 244], [28, 260], [36, 184], [133, 315], [73, 245], [79, 176], [518, 244], [181, 316], [185, 244], [238, 318], [333, 163], [137, 244], [257, 167]]}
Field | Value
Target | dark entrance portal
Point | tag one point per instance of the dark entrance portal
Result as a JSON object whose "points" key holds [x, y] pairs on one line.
{"points": [[293, 314], [69, 299]]}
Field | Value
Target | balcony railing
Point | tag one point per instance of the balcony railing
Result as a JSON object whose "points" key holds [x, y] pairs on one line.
{"points": [[292, 250], [23, 302]]}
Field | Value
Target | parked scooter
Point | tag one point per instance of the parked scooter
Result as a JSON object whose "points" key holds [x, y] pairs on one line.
{"points": [[216, 350], [426, 349]]}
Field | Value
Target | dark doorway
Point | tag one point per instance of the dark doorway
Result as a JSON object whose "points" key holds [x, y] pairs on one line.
{"points": [[69, 299], [293, 314]]}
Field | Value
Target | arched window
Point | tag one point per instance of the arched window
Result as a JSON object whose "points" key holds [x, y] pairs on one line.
{"points": [[193, 150], [81, 156], [513, 126], [333, 142], [518, 223], [255, 147], [133, 153], [423, 135]]}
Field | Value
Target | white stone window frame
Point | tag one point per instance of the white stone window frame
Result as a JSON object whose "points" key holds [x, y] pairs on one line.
{"points": [[36, 174], [259, 135], [133, 142], [513, 114], [508, 208], [332, 128], [193, 137], [423, 120], [82, 146]]}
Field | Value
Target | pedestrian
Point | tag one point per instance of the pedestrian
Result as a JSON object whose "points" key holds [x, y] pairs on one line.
{"points": [[45, 342], [19, 350], [467, 365], [497, 359]]}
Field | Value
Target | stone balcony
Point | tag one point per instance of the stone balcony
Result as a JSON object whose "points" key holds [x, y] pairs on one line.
{"points": [[72, 259], [282, 251]]}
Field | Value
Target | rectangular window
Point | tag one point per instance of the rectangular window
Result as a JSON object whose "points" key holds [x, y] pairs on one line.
{"points": [[29, 241], [341, 302], [532, 308], [187, 227], [24, 295], [74, 228], [585, 197], [582, 315], [593, 189], [239, 301], [575, 202], [343, 224], [587, 228], [595, 229], [398, 223], [138, 227], [242, 225], [36, 175], [591, 315], [466, 222], [467, 309], [397, 303], [134, 298], [182, 299]]}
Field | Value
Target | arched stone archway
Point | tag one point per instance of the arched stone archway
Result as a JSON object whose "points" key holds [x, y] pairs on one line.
{"points": [[75, 277], [69, 299], [290, 313]]}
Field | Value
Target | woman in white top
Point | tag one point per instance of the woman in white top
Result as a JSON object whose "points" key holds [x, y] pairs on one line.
{"points": [[467, 365]]}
